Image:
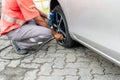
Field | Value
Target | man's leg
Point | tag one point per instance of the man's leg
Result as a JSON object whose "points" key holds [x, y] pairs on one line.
{"points": [[29, 35]]}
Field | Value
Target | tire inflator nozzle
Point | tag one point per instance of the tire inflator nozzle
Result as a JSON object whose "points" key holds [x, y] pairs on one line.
{"points": [[50, 22]]}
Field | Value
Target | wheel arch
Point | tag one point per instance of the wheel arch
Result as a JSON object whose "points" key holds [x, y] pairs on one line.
{"points": [[53, 4]]}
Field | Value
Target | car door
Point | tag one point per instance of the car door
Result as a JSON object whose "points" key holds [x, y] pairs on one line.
{"points": [[96, 24]]}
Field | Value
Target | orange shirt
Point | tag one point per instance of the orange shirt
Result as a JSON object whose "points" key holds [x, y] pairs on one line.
{"points": [[15, 13]]}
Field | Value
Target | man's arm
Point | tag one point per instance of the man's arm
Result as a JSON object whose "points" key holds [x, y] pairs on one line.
{"points": [[40, 21], [43, 15]]}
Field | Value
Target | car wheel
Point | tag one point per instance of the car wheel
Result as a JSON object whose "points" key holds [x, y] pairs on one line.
{"points": [[60, 26]]}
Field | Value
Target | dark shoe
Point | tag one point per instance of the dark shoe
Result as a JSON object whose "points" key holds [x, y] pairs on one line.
{"points": [[17, 49], [32, 48]]}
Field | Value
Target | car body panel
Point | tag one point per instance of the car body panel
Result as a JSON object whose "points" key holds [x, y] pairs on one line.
{"points": [[95, 23]]}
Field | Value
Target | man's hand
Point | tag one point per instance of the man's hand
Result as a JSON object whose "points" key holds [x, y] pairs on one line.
{"points": [[58, 36], [40, 21]]}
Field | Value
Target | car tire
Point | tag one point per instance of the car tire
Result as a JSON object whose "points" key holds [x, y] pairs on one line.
{"points": [[60, 26]]}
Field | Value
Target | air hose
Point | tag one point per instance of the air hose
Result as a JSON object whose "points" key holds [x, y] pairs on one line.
{"points": [[29, 54]]}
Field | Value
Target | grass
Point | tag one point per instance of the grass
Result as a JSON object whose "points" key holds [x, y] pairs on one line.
{"points": [[40, 0], [43, 6], [46, 10]]}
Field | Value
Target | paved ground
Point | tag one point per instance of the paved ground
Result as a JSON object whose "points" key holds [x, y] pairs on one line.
{"points": [[54, 62]]}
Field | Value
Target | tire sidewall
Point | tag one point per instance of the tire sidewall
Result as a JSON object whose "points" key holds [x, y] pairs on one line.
{"points": [[68, 41]]}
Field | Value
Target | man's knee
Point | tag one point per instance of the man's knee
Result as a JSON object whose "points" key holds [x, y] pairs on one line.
{"points": [[46, 33]]}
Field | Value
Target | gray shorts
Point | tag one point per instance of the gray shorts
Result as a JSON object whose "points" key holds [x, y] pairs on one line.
{"points": [[29, 35]]}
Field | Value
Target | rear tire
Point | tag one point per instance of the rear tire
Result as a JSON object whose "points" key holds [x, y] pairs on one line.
{"points": [[60, 26]]}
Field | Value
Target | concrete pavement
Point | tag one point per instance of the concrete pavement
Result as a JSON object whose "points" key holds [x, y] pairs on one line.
{"points": [[54, 62]]}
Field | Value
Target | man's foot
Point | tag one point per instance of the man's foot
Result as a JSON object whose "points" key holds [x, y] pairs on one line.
{"points": [[17, 49]]}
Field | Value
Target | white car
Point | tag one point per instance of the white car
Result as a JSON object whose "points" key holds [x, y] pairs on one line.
{"points": [[93, 23]]}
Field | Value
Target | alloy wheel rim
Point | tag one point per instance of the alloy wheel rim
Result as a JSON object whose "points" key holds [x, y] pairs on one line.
{"points": [[59, 25]]}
